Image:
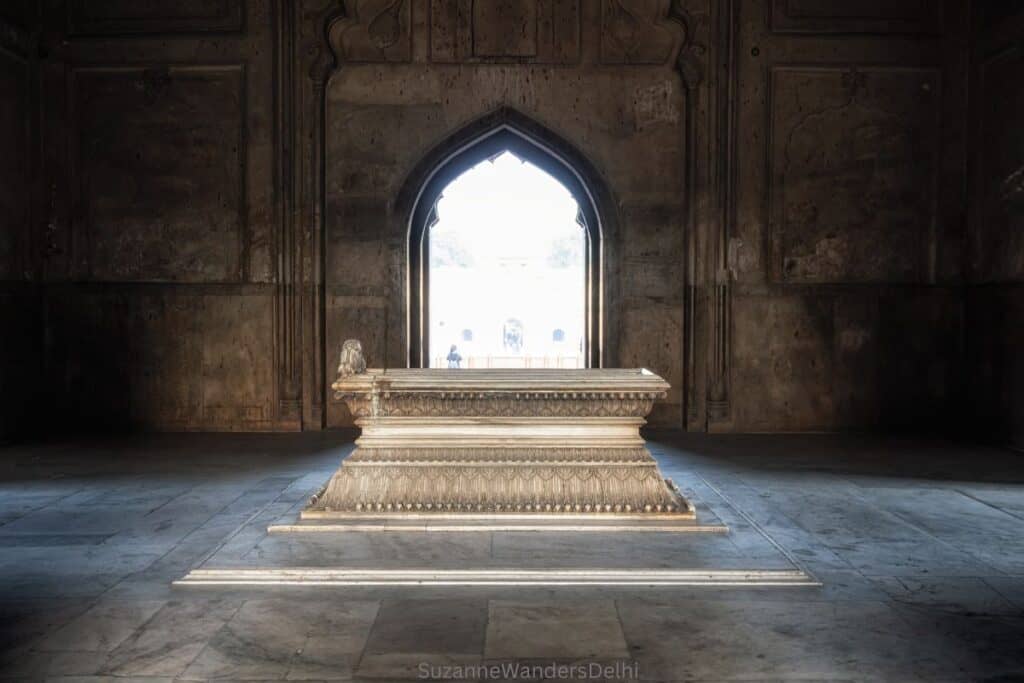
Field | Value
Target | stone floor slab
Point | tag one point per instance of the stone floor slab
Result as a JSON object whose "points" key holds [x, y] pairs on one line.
{"points": [[915, 542], [562, 630]]}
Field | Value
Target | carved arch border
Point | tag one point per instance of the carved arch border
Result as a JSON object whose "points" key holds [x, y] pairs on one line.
{"points": [[511, 130]]}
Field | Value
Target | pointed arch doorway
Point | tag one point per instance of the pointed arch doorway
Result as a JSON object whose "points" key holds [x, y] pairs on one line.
{"points": [[506, 233]]}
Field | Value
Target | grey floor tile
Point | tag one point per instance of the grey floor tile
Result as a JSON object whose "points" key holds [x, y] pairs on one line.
{"points": [[453, 626], [337, 637], [555, 630], [105, 626], [172, 639], [701, 639], [259, 642], [1010, 587], [966, 595]]}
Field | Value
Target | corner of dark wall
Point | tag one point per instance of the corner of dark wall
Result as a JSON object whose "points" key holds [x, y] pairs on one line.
{"points": [[994, 303], [21, 360]]}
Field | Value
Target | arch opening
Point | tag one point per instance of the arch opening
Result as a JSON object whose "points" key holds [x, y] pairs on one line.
{"points": [[505, 244], [506, 264]]}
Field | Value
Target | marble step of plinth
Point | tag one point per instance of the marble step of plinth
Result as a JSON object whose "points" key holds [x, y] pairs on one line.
{"points": [[342, 522], [498, 577], [277, 547]]}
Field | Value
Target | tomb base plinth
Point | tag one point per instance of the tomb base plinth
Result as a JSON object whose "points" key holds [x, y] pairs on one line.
{"points": [[500, 445]]}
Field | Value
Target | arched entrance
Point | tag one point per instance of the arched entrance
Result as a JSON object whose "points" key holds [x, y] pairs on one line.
{"points": [[506, 131], [505, 259]]}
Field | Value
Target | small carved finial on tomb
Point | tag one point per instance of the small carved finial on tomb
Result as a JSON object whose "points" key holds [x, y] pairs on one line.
{"points": [[352, 361]]}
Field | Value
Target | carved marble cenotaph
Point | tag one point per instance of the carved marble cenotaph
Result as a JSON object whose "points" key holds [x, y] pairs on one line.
{"points": [[486, 444]]}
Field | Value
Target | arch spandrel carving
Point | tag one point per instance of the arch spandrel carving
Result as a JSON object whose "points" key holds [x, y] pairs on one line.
{"points": [[372, 31]]}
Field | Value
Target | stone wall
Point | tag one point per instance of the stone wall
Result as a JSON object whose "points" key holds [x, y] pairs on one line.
{"points": [[846, 214], [20, 313], [164, 282], [787, 179], [995, 296], [219, 180]]}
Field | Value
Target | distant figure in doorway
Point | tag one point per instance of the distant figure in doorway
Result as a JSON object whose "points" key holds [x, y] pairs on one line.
{"points": [[454, 359], [512, 334]]}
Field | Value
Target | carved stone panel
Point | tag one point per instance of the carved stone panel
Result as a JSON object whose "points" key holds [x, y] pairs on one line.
{"points": [[863, 16], [160, 172], [999, 218], [853, 172], [505, 28], [637, 32], [536, 31], [374, 31], [133, 17]]}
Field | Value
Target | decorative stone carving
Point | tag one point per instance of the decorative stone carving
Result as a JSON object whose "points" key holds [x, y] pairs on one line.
{"points": [[352, 361], [639, 31], [533, 31], [373, 31], [854, 164], [496, 441]]}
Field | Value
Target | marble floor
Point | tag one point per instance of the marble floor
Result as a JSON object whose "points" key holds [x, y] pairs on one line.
{"points": [[919, 546]]}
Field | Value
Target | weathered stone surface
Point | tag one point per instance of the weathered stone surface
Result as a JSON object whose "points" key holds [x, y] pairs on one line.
{"points": [[867, 359], [376, 31], [854, 161], [160, 159], [846, 217], [162, 184], [538, 31], [506, 28], [161, 360], [637, 32]]}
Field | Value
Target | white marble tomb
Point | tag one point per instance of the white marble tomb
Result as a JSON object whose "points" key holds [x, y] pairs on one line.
{"points": [[498, 443]]}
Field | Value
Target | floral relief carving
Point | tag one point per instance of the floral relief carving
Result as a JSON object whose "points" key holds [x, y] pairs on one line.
{"points": [[373, 31], [493, 441], [469, 487], [413, 405]]}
